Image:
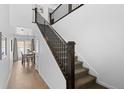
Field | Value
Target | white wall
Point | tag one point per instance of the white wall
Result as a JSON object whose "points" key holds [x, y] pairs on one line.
{"points": [[20, 15], [98, 31], [45, 13], [5, 64], [46, 8], [47, 66]]}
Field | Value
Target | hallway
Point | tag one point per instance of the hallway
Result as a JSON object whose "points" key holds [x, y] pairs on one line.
{"points": [[25, 77]]}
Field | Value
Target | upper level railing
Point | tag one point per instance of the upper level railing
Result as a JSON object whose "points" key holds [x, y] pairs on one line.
{"points": [[62, 10], [62, 51]]}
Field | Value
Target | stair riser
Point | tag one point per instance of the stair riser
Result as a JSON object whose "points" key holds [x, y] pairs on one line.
{"points": [[78, 66], [80, 75], [87, 85]]}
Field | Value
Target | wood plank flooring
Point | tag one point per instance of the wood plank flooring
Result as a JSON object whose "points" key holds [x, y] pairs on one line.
{"points": [[25, 77]]}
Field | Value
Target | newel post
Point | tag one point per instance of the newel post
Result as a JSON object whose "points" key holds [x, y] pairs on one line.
{"points": [[35, 15], [71, 65]]}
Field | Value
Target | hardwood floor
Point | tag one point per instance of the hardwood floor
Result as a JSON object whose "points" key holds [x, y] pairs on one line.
{"points": [[25, 77]]}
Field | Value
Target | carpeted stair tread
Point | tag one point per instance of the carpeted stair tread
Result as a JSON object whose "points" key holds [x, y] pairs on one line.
{"points": [[97, 86], [85, 81], [80, 70], [77, 65]]}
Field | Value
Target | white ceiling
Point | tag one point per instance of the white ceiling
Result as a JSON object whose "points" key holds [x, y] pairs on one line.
{"points": [[52, 6], [23, 31]]}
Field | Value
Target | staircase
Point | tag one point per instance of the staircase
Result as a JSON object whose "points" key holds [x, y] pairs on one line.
{"points": [[75, 74], [83, 80]]}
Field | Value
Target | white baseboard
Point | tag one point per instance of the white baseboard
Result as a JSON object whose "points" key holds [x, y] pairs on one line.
{"points": [[105, 84]]}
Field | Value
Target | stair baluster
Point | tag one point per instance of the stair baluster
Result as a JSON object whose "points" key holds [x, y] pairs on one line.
{"points": [[62, 51]]}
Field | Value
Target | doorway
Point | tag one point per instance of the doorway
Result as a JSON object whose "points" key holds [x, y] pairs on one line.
{"points": [[23, 47]]}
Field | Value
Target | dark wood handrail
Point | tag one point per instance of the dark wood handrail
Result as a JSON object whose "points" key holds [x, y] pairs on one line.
{"points": [[56, 8], [63, 15]]}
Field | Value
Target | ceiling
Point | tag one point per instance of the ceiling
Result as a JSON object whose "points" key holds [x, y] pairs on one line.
{"points": [[52, 6]]}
